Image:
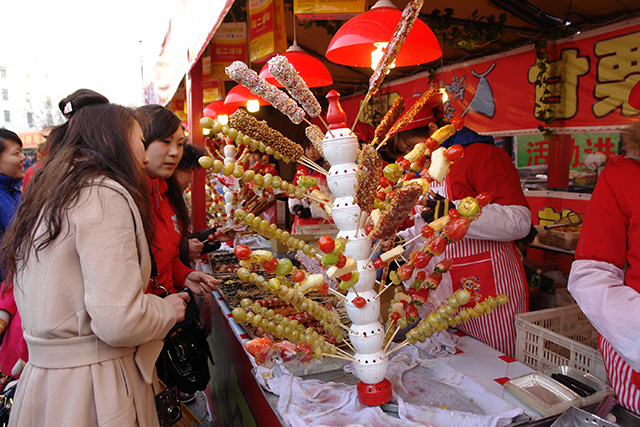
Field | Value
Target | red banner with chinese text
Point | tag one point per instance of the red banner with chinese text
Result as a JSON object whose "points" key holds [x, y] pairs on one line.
{"points": [[591, 76], [267, 34], [228, 44]]}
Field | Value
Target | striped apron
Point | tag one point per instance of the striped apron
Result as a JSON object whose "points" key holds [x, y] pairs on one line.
{"points": [[623, 378], [488, 268]]}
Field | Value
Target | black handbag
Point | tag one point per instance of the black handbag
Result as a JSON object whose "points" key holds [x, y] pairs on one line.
{"points": [[184, 359]]}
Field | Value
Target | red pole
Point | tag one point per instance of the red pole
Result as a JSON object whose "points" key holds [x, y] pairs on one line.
{"points": [[195, 108], [559, 161]]}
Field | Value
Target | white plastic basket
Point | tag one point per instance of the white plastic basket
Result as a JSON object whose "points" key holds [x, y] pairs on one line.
{"points": [[563, 297], [556, 337]]}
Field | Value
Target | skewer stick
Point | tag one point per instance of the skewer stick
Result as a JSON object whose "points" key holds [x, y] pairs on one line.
{"points": [[396, 348], [384, 141], [349, 345], [383, 289], [312, 165], [364, 102], [326, 125], [317, 199], [346, 328], [386, 347], [338, 294], [406, 242], [344, 353], [373, 252], [358, 224], [350, 359]]}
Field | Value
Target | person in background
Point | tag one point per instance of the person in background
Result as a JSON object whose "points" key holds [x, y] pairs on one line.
{"points": [[37, 164], [164, 141], [78, 258], [11, 175], [13, 352], [486, 261], [605, 276], [305, 212], [195, 245]]}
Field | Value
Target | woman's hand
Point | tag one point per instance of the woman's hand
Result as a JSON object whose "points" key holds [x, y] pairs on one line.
{"points": [[201, 283], [195, 249], [179, 303]]}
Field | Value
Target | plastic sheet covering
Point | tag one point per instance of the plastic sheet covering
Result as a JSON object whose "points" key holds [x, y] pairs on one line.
{"points": [[428, 393]]}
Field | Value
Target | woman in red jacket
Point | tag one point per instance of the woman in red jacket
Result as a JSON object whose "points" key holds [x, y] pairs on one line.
{"points": [[164, 139]]}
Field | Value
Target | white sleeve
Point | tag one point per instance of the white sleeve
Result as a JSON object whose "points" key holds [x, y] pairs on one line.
{"points": [[611, 306], [501, 223]]}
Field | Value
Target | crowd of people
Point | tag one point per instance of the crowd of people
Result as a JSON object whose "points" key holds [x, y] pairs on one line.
{"points": [[101, 237]]}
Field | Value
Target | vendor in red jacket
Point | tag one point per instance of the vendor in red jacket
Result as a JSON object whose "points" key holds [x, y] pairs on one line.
{"points": [[163, 140], [486, 261], [305, 212], [605, 276]]}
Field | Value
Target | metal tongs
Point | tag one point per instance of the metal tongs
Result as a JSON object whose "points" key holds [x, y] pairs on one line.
{"points": [[571, 219]]}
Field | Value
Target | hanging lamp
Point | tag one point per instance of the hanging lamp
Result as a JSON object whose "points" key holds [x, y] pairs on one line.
{"points": [[310, 69], [356, 40], [240, 96], [219, 111]]}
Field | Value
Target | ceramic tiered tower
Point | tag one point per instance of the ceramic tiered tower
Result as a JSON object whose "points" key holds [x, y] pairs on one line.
{"points": [[229, 157], [367, 333]]}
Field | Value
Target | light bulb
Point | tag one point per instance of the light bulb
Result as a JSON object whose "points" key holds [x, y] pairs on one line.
{"points": [[376, 55], [253, 105], [206, 131], [443, 91], [223, 119]]}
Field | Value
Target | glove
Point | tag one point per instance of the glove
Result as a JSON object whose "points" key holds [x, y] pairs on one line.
{"points": [[302, 212], [436, 208]]}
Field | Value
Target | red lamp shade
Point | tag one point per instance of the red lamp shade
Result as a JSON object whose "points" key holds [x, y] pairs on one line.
{"points": [[634, 96], [217, 108], [310, 69], [353, 43], [239, 95]]}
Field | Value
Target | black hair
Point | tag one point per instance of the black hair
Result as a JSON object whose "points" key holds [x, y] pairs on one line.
{"points": [[190, 157], [7, 135], [92, 144], [160, 123]]}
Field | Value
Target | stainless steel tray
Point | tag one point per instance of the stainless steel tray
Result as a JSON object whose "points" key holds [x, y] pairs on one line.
{"points": [[576, 417], [601, 388], [541, 393]]}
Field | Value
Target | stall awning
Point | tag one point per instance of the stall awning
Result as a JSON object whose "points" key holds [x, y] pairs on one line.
{"points": [[190, 29]]}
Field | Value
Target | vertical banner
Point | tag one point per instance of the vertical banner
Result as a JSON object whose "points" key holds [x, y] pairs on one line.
{"points": [[228, 44], [210, 88], [267, 33]]}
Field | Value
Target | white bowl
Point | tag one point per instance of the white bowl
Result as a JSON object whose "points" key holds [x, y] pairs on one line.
{"points": [[368, 314], [371, 368], [358, 247], [345, 213], [342, 179], [367, 339], [367, 276], [341, 149]]}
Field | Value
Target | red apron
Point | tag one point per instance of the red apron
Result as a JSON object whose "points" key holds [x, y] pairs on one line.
{"points": [[624, 379], [489, 268]]}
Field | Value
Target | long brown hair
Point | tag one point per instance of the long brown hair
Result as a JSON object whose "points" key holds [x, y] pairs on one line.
{"points": [[93, 143], [161, 123]]}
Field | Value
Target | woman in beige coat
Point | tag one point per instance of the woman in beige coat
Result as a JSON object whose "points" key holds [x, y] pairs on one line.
{"points": [[79, 259]]}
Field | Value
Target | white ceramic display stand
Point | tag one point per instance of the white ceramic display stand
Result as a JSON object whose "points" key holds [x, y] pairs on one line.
{"points": [[341, 147], [229, 157]]}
